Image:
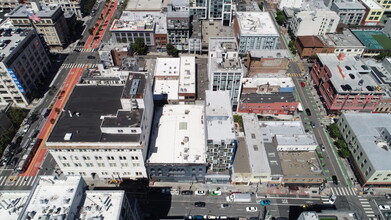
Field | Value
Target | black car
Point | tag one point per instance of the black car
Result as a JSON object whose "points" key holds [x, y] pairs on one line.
{"points": [[308, 111], [335, 179], [199, 204], [76, 51], [187, 192], [91, 57]]}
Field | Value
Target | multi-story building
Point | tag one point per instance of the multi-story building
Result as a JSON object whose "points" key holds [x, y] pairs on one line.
{"points": [[8, 4], [386, 5], [314, 23], [373, 12], [68, 6], [220, 9], [255, 30], [221, 139], [175, 80], [345, 43], [344, 83], [225, 69], [132, 25], [199, 9], [179, 153], [308, 46], [178, 24], [289, 4], [104, 130], [260, 62], [369, 142], [48, 21], [113, 54], [24, 64], [351, 12]]}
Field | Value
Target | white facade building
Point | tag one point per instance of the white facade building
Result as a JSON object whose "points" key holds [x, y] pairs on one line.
{"points": [[104, 131], [289, 4], [68, 6], [225, 69], [255, 30], [24, 63], [314, 23]]}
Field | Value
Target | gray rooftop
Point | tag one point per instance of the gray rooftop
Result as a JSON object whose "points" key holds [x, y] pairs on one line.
{"points": [[266, 53], [145, 5], [241, 163], [345, 39], [349, 5], [12, 39], [274, 159], [367, 129], [21, 11], [91, 102], [267, 98]]}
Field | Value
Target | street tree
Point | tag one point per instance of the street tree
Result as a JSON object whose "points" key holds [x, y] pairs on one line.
{"points": [[139, 47]]}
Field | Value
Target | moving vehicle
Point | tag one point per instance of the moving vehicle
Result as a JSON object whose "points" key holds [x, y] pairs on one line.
{"points": [[200, 193], [265, 202], [384, 207], [388, 196], [187, 192], [91, 57], [322, 147], [216, 193], [224, 205], [332, 199], [302, 84], [335, 179], [308, 111], [199, 204], [239, 197], [251, 209]]}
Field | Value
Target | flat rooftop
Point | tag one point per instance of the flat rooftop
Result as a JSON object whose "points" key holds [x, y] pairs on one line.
{"points": [[255, 145], [219, 117], [256, 24], [12, 40], [300, 164], [373, 39], [215, 29], [350, 75], [228, 65], [371, 4], [167, 67], [145, 5], [345, 39], [272, 79], [268, 98], [94, 206], [187, 76], [56, 194], [177, 141], [241, 162], [150, 21], [270, 53], [168, 87], [91, 102], [350, 5], [367, 128], [12, 203], [22, 11]]}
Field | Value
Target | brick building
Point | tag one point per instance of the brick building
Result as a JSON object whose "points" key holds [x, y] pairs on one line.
{"points": [[308, 46]]}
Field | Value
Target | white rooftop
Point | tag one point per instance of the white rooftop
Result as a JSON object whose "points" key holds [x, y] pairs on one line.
{"points": [[272, 79], [371, 4], [141, 21], [144, 5], [12, 203], [167, 67], [219, 117], [348, 75], [102, 205], [256, 148], [368, 129], [187, 77], [256, 23], [169, 87], [54, 198], [181, 135]]}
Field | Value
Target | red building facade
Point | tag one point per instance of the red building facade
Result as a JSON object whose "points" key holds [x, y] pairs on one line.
{"points": [[282, 103]]}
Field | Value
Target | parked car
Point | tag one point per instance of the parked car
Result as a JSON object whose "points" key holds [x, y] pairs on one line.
{"points": [[26, 128], [91, 57], [251, 209], [224, 205], [388, 196], [78, 51], [308, 111], [200, 193], [322, 147], [332, 199], [187, 192], [166, 191], [302, 84], [216, 193], [199, 204], [384, 207], [335, 179], [265, 202], [210, 217]]}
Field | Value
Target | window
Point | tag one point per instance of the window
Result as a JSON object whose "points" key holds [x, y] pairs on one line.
{"points": [[110, 157], [374, 178]]}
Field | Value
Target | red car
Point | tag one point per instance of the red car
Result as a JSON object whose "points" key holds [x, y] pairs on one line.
{"points": [[302, 84]]}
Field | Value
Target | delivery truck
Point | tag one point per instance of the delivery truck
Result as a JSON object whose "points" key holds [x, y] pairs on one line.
{"points": [[239, 197]]}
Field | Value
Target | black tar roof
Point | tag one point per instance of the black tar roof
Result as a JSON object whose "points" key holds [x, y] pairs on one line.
{"points": [[91, 102], [267, 98]]}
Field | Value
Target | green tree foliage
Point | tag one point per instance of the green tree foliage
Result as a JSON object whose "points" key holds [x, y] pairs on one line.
{"points": [[139, 47], [171, 50], [334, 131], [344, 152], [16, 115], [87, 7], [280, 18], [383, 55]]}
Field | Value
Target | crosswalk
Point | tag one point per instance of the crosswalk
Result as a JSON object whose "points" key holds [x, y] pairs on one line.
{"points": [[17, 180], [81, 49], [78, 65], [295, 74], [367, 208], [343, 191]]}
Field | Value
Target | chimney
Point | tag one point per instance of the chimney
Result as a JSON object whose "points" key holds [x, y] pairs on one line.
{"points": [[341, 56]]}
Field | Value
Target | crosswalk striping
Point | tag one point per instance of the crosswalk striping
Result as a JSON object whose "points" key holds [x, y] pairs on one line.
{"points": [[81, 49], [19, 180], [78, 65], [343, 191]]}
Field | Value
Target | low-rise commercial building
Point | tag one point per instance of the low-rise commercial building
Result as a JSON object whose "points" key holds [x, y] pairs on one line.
{"points": [[255, 30], [373, 12], [103, 131], [268, 103], [261, 62], [221, 138], [112, 54], [345, 42], [308, 46], [368, 139], [374, 40], [289, 4], [179, 153], [351, 12], [24, 64], [344, 83], [314, 22]]}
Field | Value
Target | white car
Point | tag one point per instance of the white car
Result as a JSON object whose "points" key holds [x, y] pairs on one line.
{"points": [[384, 207], [200, 193], [26, 128], [332, 199], [251, 209], [174, 192]]}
